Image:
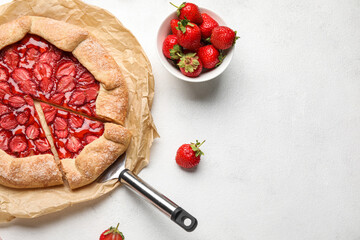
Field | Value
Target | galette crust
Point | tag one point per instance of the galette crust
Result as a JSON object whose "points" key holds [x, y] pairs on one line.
{"points": [[90, 53], [96, 156], [29, 172], [111, 105]]}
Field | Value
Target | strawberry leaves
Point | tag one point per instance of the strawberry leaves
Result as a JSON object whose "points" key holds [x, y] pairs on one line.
{"points": [[196, 148], [189, 62]]}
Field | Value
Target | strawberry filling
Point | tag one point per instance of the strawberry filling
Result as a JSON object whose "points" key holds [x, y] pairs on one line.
{"points": [[37, 68], [20, 129], [71, 132]]}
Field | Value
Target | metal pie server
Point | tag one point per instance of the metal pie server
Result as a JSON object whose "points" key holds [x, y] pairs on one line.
{"points": [[118, 171]]}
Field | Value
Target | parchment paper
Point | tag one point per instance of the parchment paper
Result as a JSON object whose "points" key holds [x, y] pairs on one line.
{"points": [[137, 70]]}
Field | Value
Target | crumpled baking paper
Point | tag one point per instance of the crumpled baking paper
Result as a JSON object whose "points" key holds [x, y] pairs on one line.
{"points": [[136, 68]]}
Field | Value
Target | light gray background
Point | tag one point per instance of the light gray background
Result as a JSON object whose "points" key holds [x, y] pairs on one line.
{"points": [[282, 130]]}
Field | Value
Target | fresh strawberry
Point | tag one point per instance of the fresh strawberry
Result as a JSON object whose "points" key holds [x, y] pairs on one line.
{"points": [[23, 117], [11, 58], [190, 65], [16, 101], [4, 109], [42, 144], [4, 75], [207, 25], [66, 69], [188, 155], [223, 37], [66, 84], [32, 131], [86, 109], [112, 234], [173, 25], [60, 123], [4, 140], [77, 98], [209, 56], [189, 11], [86, 79], [75, 121], [18, 143], [32, 54], [73, 144], [188, 35], [57, 98], [8, 121], [62, 133], [42, 70], [171, 48]]}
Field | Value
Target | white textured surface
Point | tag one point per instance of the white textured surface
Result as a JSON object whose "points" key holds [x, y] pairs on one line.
{"points": [[282, 125]]}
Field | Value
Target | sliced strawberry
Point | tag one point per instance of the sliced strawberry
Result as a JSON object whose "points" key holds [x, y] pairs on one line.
{"points": [[46, 107], [46, 85], [18, 143], [66, 69], [4, 75], [95, 124], [11, 58], [57, 98], [23, 117], [50, 115], [86, 109], [8, 121], [42, 144], [73, 144], [50, 57], [90, 138], [32, 54], [86, 78], [62, 133], [29, 100], [75, 121], [92, 92], [32, 131], [42, 70], [21, 75], [66, 84], [16, 101], [28, 87], [4, 140], [60, 123], [4, 109], [4, 89], [77, 98]]}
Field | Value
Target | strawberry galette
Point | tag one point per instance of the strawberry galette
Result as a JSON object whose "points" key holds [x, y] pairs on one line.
{"points": [[63, 102]]}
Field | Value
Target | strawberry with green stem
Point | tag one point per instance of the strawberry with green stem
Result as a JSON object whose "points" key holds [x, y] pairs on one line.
{"points": [[210, 56], [171, 48], [112, 234], [188, 35], [190, 65], [223, 37], [188, 155], [189, 11]]}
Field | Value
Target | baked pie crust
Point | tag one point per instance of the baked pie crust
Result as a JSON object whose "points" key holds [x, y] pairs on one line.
{"points": [[111, 107]]}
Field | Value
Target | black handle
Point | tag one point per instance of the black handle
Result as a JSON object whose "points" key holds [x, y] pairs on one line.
{"points": [[169, 208]]}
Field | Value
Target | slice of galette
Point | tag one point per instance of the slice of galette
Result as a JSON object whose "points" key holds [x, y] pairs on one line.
{"points": [[26, 160], [85, 147], [62, 65]]}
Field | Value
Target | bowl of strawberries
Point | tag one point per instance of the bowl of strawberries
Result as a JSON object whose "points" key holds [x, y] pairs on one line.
{"points": [[194, 44]]}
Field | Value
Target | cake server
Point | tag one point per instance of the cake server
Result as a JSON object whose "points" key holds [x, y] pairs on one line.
{"points": [[118, 171]]}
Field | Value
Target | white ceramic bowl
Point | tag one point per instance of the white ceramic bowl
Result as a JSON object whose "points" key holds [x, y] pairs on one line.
{"points": [[206, 75]]}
